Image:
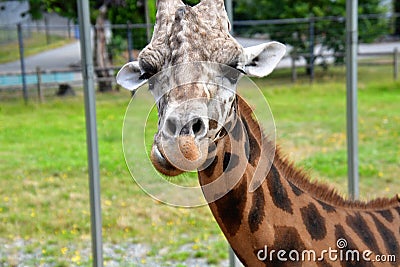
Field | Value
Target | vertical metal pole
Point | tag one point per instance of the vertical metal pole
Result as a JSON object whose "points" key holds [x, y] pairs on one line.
{"points": [[395, 64], [148, 22], [22, 60], [129, 37], [91, 131], [69, 28], [351, 83], [39, 83], [312, 41], [229, 11], [294, 72], [47, 29]]}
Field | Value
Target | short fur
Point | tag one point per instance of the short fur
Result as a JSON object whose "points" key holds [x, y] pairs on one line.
{"points": [[302, 180]]}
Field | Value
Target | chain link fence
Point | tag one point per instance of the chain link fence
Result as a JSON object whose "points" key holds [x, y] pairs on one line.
{"points": [[314, 42]]}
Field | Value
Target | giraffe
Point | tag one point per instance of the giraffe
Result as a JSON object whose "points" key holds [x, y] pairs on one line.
{"points": [[282, 220]]}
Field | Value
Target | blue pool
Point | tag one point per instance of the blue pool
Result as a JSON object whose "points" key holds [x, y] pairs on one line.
{"points": [[15, 80]]}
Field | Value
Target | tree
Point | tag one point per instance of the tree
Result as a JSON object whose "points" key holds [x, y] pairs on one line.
{"points": [[101, 57], [396, 4], [66, 9], [132, 12], [99, 14], [329, 33]]}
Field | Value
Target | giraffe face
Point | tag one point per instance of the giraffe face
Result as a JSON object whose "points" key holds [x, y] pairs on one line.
{"points": [[192, 65], [194, 101]]}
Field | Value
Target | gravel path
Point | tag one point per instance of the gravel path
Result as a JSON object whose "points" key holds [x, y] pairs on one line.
{"points": [[21, 253]]}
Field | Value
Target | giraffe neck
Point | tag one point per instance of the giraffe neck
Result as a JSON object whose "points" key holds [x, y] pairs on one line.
{"points": [[287, 211]]}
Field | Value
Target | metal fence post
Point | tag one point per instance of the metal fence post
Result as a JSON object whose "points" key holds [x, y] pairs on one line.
{"points": [[91, 132], [395, 64], [229, 11], [351, 84], [69, 28], [47, 29], [293, 66], [22, 59], [129, 37], [39, 83], [312, 40]]}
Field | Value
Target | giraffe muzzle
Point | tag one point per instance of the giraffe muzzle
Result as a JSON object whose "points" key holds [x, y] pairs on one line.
{"points": [[183, 153], [162, 164]]}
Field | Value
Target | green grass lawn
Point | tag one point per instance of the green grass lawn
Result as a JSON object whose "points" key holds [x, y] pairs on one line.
{"points": [[43, 169]]}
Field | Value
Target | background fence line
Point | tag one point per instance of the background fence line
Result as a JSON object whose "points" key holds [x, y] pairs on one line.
{"points": [[129, 39], [42, 87], [70, 30]]}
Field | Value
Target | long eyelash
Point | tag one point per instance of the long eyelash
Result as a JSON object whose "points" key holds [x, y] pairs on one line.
{"points": [[145, 76], [241, 70]]}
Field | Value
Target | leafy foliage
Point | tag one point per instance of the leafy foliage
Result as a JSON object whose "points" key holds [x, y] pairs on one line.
{"points": [[330, 33], [131, 12], [66, 9], [396, 9]]}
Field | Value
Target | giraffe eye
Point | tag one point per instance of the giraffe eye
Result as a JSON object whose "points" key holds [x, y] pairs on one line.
{"points": [[145, 76], [148, 69], [235, 64], [241, 69]]}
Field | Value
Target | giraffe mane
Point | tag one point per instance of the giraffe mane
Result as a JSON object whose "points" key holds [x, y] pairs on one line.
{"points": [[299, 178]]}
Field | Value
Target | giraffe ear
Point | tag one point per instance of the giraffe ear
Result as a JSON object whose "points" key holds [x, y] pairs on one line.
{"points": [[130, 76], [262, 59]]}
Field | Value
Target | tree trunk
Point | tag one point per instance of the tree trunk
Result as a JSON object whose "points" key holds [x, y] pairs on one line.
{"points": [[101, 56], [397, 22]]}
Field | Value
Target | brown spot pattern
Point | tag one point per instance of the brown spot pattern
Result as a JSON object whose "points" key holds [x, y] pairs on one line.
{"points": [[230, 161], [230, 207], [328, 208], [210, 170], [323, 263], [297, 191], [256, 214], [387, 214], [237, 131], [314, 222], [278, 192], [391, 244], [212, 124], [254, 147], [341, 233], [287, 239], [398, 210], [358, 224]]}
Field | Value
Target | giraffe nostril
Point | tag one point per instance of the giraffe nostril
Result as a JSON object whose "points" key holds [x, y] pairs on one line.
{"points": [[194, 127], [198, 126], [170, 126]]}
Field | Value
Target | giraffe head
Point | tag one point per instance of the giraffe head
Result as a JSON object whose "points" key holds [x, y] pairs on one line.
{"points": [[192, 65]]}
